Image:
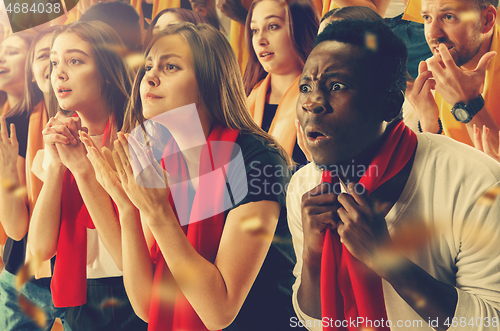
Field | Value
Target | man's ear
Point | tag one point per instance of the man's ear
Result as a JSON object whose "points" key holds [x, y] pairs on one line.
{"points": [[488, 18], [394, 102]]}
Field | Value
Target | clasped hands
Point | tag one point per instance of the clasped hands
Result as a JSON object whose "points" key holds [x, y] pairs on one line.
{"points": [[361, 228]]}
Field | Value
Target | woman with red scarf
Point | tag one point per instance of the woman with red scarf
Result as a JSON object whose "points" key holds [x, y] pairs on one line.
{"points": [[213, 250], [74, 216]]}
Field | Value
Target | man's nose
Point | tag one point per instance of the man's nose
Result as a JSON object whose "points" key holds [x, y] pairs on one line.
{"points": [[315, 103], [434, 31]]}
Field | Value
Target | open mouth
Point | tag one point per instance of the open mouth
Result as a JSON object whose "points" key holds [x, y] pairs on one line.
{"points": [[266, 54], [63, 91], [3, 71], [316, 136]]}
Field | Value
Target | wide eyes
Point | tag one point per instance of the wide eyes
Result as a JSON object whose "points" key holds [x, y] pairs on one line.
{"points": [[336, 86], [304, 88]]}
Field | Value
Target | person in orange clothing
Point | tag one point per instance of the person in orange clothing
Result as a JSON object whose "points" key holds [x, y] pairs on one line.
{"points": [[279, 37], [13, 51], [29, 117], [463, 37]]}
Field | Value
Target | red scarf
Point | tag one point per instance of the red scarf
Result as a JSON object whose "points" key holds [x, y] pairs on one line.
{"points": [[349, 289], [69, 280], [203, 235]]}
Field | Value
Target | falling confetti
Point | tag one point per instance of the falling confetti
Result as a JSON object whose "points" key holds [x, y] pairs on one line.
{"points": [[34, 312], [371, 41], [254, 226], [469, 16], [23, 276], [135, 61], [111, 303], [489, 196], [8, 185]]}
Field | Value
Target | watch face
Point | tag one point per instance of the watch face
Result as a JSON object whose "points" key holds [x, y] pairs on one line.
{"points": [[461, 115]]}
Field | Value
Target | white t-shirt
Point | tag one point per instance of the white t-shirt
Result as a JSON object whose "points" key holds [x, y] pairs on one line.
{"points": [[442, 192], [100, 264]]}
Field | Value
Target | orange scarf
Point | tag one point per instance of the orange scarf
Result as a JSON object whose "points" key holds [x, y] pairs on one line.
{"points": [[38, 119], [412, 12], [283, 124]]}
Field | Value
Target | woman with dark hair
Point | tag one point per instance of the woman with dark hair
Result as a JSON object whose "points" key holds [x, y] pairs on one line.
{"points": [[171, 16], [73, 216], [279, 37], [213, 250], [27, 120]]}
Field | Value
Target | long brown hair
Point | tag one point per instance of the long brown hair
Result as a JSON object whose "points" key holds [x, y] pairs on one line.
{"points": [[186, 15], [303, 23], [27, 36], [218, 77], [32, 94], [115, 74]]}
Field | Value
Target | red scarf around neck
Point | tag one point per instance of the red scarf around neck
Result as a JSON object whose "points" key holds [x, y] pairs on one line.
{"points": [[69, 280], [349, 289], [176, 315]]}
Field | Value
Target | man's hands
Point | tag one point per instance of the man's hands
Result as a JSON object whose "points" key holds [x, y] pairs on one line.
{"points": [[362, 230], [301, 141], [485, 142], [420, 96], [456, 84], [319, 212]]}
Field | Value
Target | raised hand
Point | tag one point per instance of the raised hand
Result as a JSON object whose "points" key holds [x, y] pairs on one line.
{"points": [[105, 171], [485, 142], [148, 189], [301, 141], [9, 149], [420, 96], [363, 232], [456, 84], [319, 212]]}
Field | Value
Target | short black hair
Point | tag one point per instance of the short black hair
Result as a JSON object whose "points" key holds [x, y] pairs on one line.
{"points": [[385, 56], [352, 13], [122, 18]]}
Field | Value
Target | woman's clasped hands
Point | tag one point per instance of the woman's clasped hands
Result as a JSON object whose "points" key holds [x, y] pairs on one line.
{"points": [[63, 145]]}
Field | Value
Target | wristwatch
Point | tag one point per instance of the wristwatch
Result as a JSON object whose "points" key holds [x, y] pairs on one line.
{"points": [[465, 112]]}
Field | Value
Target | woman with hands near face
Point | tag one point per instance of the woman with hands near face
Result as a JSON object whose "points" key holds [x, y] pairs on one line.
{"points": [[190, 261], [74, 216], [29, 116]]}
